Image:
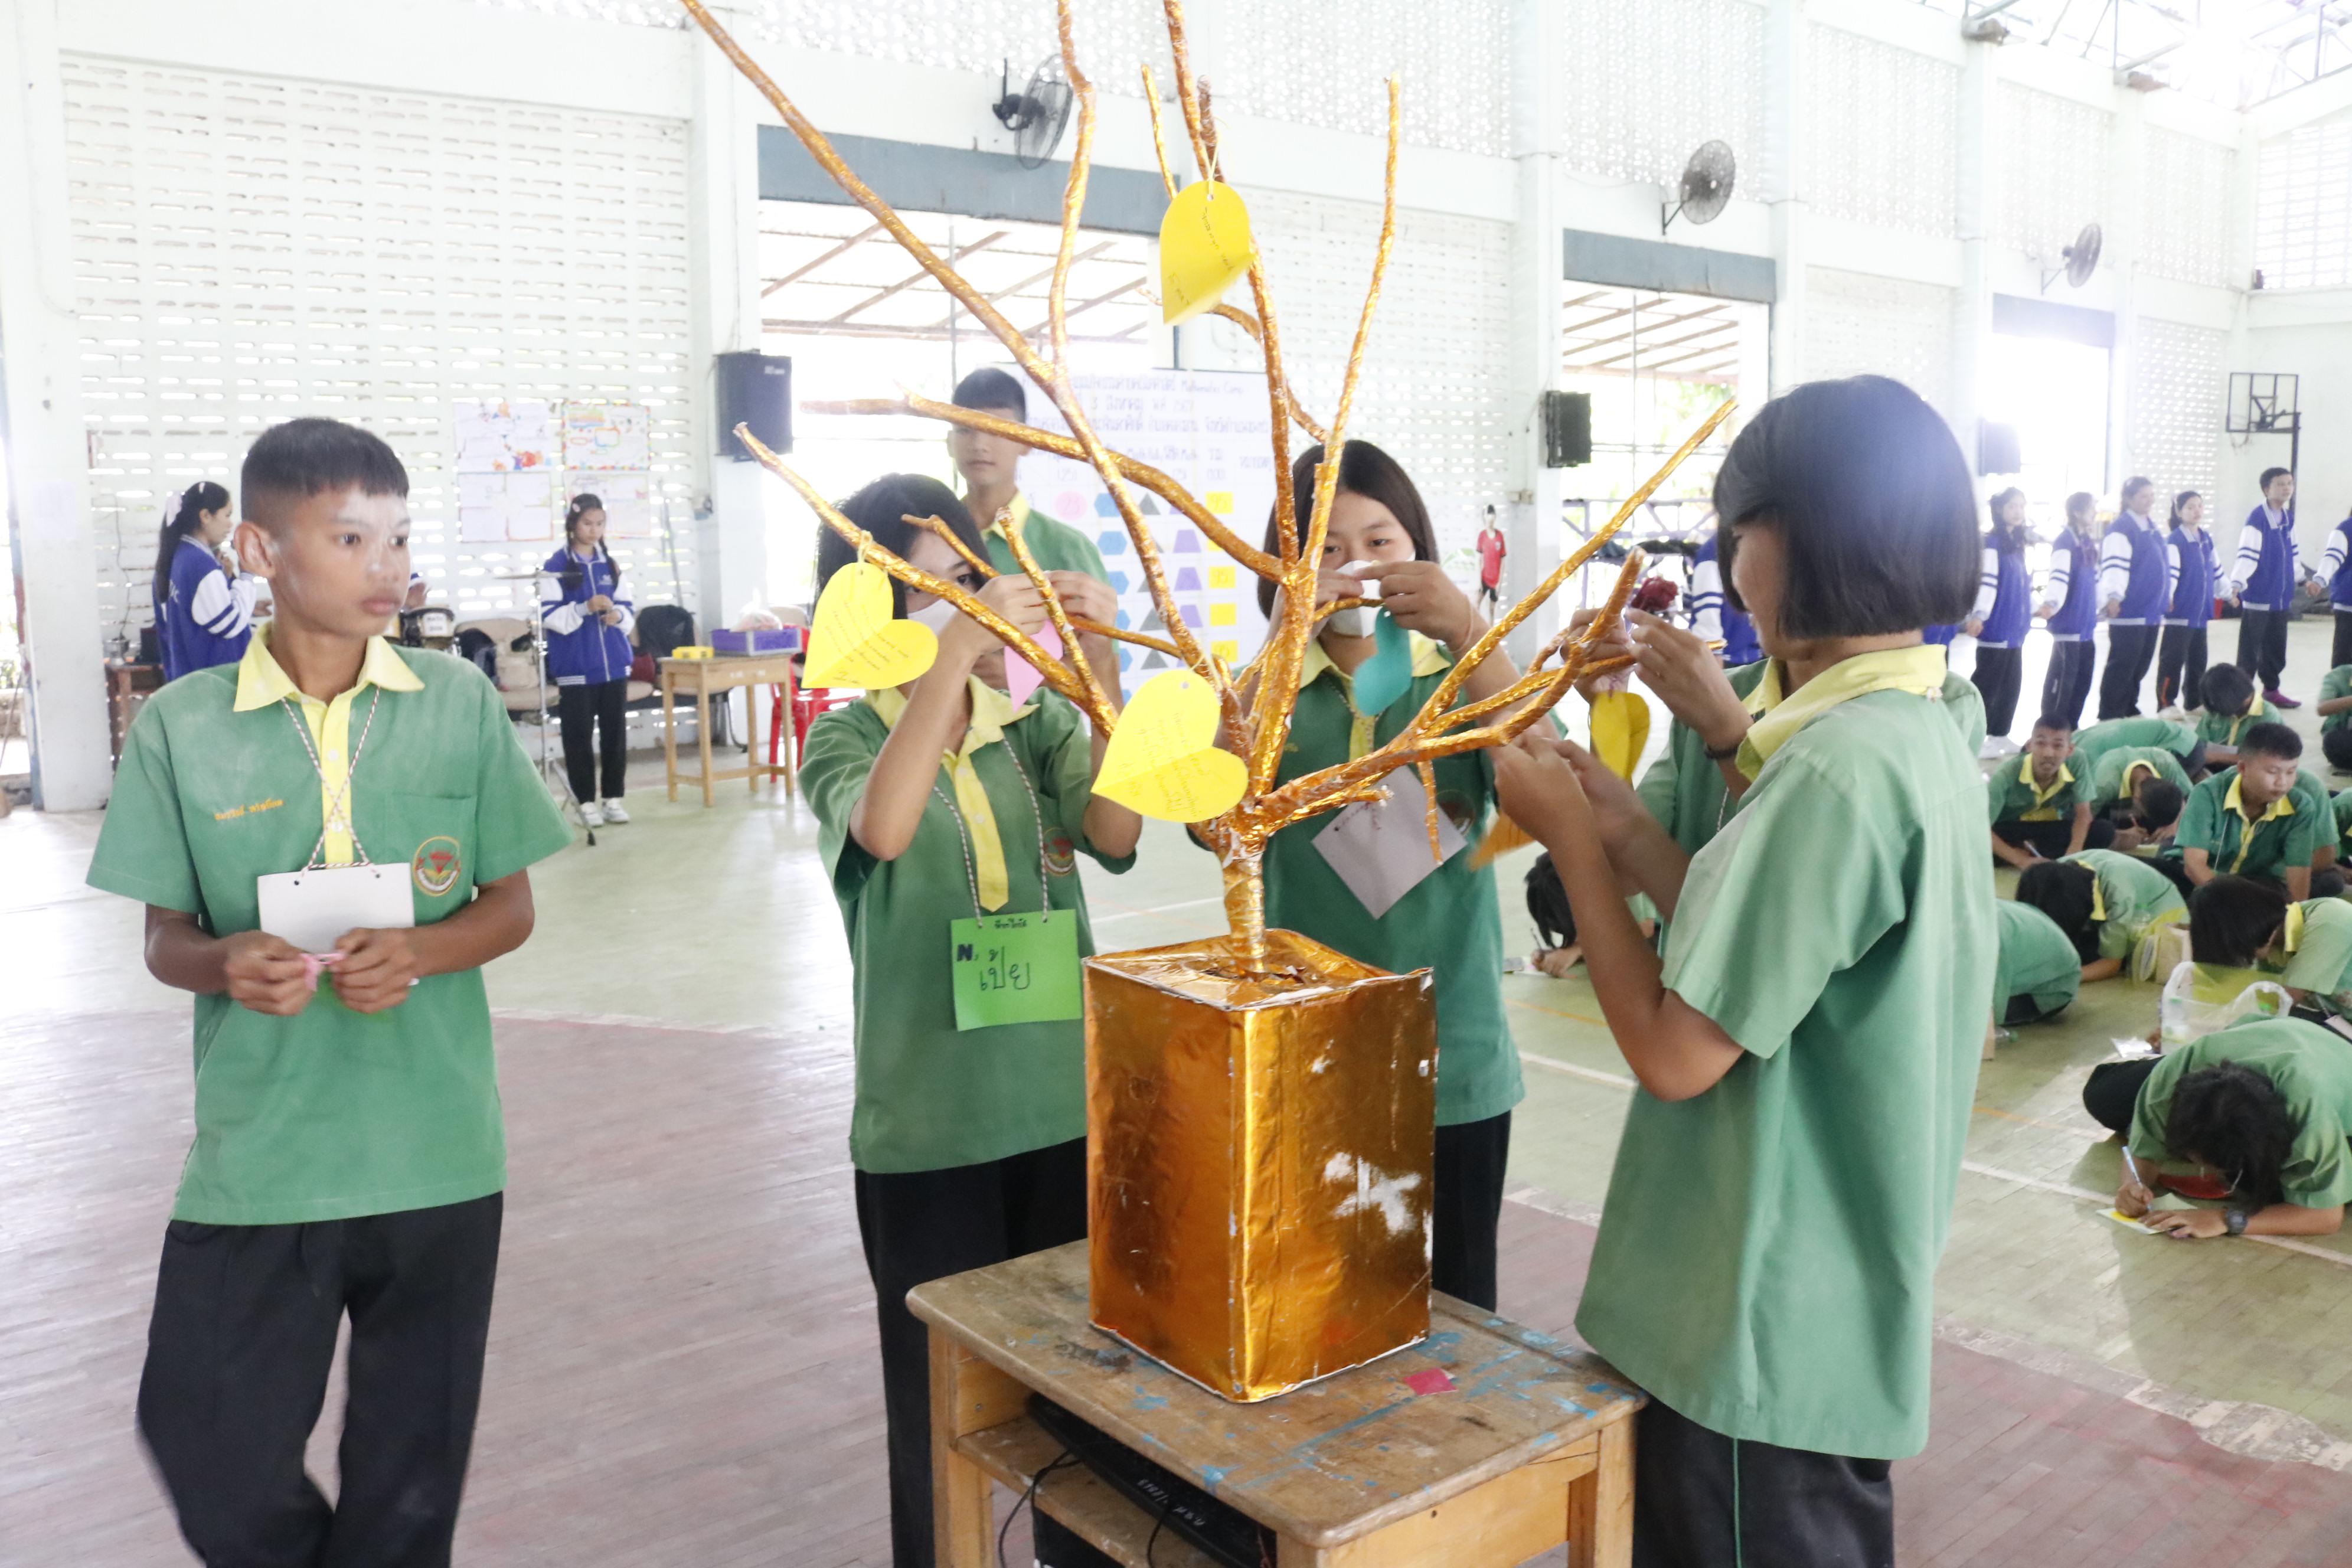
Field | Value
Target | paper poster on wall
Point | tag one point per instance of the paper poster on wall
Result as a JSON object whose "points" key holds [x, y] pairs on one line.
{"points": [[628, 501], [608, 435], [505, 435], [1206, 429], [493, 509]]}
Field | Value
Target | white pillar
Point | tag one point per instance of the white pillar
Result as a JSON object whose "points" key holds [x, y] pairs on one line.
{"points": [[2121, 243], [724, 263], [1783, 182], [48, 465], [1532, 529], [1972, 312]]}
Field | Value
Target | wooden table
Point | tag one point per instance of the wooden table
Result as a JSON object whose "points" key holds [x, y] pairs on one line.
{"points": [[125, 683], [1532, 1445], [702, 678]]}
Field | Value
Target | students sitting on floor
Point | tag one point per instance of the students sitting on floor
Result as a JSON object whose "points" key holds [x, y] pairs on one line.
{"points": [[2095, 741], [2231, 704], [2040, 972], [2041, 808], [2247, 924], [2257, 819], [2266, 1105], [2336, 715], [2105, 901], [2140, 789]]}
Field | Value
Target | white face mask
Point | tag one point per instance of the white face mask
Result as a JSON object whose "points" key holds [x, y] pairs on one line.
{"points": [[1358, 620], [936, 615]]}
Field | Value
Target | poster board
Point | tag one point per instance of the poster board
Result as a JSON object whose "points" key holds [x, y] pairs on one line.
{"points": [[503, 435], [628, 501], [607, 437], [1206, 429], [496, 508]]}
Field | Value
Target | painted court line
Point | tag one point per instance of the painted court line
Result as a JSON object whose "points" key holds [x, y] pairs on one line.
{"points": [[1123, 913]]}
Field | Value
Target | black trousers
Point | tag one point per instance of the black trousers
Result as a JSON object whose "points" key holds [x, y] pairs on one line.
{"points": [[1466, 1207], [2051, 837], [2180, 667], [921, 1225], [237, 1357], [601, 706], [2261, 646], [2336, 746], [1997, 676], [2130, 651], [2068, 684], [2341, 653], [1704, 1501], [2112, 1092]]}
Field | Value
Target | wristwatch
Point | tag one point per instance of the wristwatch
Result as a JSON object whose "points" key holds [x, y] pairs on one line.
{"points": [[2235, 1221], [1728, 753]]}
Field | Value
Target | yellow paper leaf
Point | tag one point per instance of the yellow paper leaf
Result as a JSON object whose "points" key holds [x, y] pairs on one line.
{"points": [[1620, 728], [1204, 245], [853, 641], [1163, 759]]}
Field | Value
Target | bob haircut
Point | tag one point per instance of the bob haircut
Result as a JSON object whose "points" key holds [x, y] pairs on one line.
{"points": [[1872, 502], [2065, 893], [2271, 740], [304, 457], [881, 509], [2232, 1117], [1364, 470], [2233, 919]]}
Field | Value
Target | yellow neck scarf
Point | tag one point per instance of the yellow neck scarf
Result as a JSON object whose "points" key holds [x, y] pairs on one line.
{"points": [[1919, 669], [992, 710]]}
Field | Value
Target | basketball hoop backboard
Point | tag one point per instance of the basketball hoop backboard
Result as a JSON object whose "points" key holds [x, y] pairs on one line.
{"points": [[2261, 404]]}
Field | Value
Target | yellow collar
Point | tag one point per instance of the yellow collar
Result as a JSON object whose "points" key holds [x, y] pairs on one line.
{"points": [[2292, 937], [2132, 769], [2042, 796], [1018, 506], [2283, 806], [1428, 658], [991, 712], [261, 680], [1919, 669]]}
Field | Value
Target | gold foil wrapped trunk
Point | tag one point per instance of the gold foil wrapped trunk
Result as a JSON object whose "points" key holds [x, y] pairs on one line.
{"points": [[1259, 1153]]}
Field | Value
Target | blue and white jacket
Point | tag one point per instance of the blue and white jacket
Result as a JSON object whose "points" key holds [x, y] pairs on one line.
{"points": [[2136, 572], [2266, 570], [2336, 565], [205, 619], [1712, 616], [2073, 586], [582, 650], [2192, 578], [2004, 597]]}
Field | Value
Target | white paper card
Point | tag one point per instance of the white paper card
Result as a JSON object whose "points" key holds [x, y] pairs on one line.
{"points": [[311, 908], [1382, 849]]}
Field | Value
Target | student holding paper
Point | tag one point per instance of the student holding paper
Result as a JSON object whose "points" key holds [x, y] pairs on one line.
{"points": [[939, 802], [349, 1157]]}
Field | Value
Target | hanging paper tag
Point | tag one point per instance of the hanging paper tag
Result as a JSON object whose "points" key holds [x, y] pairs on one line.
{"points": [[310, 909], [1015, 969], [1620, 728], [853, 641], [1204, 245], [1020, 677], [1381, 850], [1163, 760]]}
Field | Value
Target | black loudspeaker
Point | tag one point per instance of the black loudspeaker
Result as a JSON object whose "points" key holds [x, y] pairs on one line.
{"points": [[754, 389], [1997, 449], [1567, 429]]}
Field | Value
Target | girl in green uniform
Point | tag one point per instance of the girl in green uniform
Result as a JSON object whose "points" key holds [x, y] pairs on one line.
{"points": [[1449, 922], [1806, 1049], [937, 802], [2105, 901]]}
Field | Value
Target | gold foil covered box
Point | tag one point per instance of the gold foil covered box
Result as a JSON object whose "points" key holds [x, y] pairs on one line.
{"points": [[1259, 1150]]}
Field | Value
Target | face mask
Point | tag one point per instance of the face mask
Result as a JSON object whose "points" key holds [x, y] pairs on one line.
{"points": [[936, 615], [1357, 622]]}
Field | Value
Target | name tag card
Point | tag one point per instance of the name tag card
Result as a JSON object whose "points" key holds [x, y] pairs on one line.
{"points": [[1015, 969], [1381, 850], [311, 908]]}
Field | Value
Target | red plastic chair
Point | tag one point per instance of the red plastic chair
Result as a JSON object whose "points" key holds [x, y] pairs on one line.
{"points": [[805, 702]]}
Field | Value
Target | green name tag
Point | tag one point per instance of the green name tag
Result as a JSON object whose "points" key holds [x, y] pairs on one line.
{"points": [[1015, 969]]}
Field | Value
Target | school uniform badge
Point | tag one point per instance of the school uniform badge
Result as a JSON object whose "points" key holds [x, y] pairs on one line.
{"points": [[1061, 854], [436, 866]]}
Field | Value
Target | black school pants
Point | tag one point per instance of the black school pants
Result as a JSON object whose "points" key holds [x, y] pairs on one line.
{"points": [[2261, 646], [1704, 1501], [601, 705], [2180, 667], [2068, 684], [2051, 838], [2341, 653], [1996, 675], [2130, 651], [2112, 1092], [237, 1357]]}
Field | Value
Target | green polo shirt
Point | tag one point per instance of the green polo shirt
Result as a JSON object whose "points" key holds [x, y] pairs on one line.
{"points": [[2340, 809], [1056, 545], [2312, 1070], [927, 1096], [2223, 729], [2335, 683], [2114, 773], [2013, 797], [2109, 734], [1450, 923], [2317, 942], [2288, 834], [2036, 960], [1766, 1260], [2134, 898], [330, 1114]]}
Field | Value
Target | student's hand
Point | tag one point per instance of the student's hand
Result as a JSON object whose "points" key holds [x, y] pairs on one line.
{"points": [[611, 617], [2132, 1200], [1973, 627], [1618, 644], [1537, 786], [2128, 839], [1560, 963], [376, 970], [1012, 596], [264, 974], [1084, 597], [1688, 679], [597, 604], [1423, 599], [2190, 1224], [2044, 612]]}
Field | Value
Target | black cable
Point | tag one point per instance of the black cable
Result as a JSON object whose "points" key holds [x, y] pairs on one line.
{"points": [[1152, 1545], [1029, 1498]]}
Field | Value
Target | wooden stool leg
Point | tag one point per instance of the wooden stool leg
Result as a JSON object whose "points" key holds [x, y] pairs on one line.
{"points": [[962, 1532], [1601, 1504], [702, 710], [669, 730]]}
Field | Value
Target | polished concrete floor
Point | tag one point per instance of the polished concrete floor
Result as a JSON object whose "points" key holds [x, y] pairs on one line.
{"points": [[682, 1361]]}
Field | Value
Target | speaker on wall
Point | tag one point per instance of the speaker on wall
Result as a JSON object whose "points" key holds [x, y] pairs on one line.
{"points": [[1567, 429], [754, 389], [1997, 449]]}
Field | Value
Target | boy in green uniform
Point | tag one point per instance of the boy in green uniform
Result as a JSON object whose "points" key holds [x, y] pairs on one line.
{"points": [[2140, 791], [2040, 807], [938, 801], [1784, 1183], [2039, 973], [2256, 819], [2105, 901], [989, 467], [2112, 734], [2243, 923], [349, 1155], [2265, 1104], [2231, 707], [2335, 711]]}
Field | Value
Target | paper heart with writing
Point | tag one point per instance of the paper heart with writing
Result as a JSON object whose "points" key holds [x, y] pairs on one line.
{"points": [[853, 641], [1163, 759]]}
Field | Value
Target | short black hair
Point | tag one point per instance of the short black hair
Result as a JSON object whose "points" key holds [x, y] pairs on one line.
{"points": [[1548, 904], [304, 457], [2135, 484], [2226, 689], [2270, 474], [2065, 894], [2232, 1117], [1872, 502], [1364, 470], [2156, 803], [992, 390], [2233, 919], [2271, 739], [2055, 722], [881, 509]]}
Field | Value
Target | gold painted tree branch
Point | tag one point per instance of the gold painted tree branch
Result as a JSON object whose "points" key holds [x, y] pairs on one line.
{"points": [[939, 525]]}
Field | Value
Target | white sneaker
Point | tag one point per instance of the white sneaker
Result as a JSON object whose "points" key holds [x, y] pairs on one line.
{"points": [[591, 814], [613, 811]]}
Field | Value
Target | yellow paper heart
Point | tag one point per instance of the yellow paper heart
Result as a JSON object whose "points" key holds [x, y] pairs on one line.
{"points": [[853, 641], [1620, 728], [1163, 759], [1204, 245]]}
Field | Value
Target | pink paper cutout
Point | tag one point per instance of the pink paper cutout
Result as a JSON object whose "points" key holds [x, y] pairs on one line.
{"points": [[1433, 1381], [1020, 677]]}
